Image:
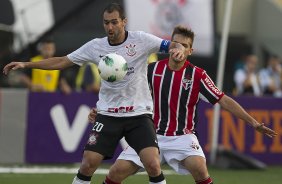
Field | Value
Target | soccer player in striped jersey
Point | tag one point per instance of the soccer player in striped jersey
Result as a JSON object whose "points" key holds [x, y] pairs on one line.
{"points": [[177, 86]]}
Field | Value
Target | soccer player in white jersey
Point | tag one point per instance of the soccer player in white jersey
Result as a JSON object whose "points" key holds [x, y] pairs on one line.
{"points": [[125, 107], [177, 86]]}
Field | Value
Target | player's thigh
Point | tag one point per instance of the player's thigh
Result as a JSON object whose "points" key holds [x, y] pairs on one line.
{"points": [[140, 133], [196, 165], [105, 135], [175, 150]]}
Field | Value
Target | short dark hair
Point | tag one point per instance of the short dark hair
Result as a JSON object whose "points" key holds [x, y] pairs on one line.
{"points": [[115, 7], [184, 31]]}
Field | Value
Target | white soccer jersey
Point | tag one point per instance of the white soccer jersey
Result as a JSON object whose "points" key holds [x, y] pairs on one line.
{"points": [[131, 96]]}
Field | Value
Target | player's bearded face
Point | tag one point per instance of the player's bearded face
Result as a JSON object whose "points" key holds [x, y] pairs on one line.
{"points": [[114, 27]]}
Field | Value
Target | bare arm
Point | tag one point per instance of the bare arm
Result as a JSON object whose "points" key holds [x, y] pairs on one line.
{"points": [[55, 63], [232, 106]]}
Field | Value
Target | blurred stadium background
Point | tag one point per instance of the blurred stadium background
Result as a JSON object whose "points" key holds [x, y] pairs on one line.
{"points": [[38, 128]]}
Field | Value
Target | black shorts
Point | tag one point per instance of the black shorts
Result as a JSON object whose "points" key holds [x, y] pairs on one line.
{"points": [[139, 132]]}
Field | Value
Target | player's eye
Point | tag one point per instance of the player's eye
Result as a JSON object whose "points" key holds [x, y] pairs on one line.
{"points": [[115, 22], [183, 44]]}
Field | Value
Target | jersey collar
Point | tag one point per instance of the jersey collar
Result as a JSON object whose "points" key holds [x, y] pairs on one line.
{"points": [[116, 44]]}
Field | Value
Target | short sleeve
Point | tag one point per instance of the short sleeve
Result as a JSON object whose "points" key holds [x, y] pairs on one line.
{"points": [[84, 54], [208, 91], [154, 43]]}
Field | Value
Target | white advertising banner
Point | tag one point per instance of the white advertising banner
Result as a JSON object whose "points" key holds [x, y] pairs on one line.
{"points": [[160, 16]]}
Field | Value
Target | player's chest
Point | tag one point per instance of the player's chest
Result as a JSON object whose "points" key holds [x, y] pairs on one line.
{"points": [[131, 51]]}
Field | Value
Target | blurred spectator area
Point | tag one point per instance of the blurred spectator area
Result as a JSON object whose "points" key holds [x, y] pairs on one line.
{"points": [[75, 23], [255, 27]]}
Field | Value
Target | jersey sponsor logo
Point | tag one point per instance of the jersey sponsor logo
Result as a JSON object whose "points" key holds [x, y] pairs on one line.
{"points": [[130, 70], [121, 109], [212, 86], [131, 49]]}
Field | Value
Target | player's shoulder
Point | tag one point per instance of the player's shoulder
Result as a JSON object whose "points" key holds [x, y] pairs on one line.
{"points": [[139, 34], [96, 43], [197, 69], [152, 65], [158, 63], [135, 33], [103, 40]]}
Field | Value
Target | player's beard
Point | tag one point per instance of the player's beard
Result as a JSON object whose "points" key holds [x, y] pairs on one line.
{"points": [[115, 37], [112, 36]]}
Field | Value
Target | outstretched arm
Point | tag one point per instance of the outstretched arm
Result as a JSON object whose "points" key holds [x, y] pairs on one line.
{"points": [[55, 63], [232, 106]]}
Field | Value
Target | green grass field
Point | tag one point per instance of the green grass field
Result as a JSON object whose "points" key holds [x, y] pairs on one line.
{"points": [[271, 175]]}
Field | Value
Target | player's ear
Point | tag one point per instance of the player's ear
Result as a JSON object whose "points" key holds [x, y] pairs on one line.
{"points": [[124, 21], [190, 51]]}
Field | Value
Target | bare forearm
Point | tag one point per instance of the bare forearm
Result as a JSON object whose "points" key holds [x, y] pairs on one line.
{"points": [[236, 109], [232, 106], [55, 63]]}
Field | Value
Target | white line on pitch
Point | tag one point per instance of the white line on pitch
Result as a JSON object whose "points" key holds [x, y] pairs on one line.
{"points": [[47, 170]]}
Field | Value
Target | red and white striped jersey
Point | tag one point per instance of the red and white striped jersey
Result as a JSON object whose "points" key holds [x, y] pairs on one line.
{"points": [[176, 95]]}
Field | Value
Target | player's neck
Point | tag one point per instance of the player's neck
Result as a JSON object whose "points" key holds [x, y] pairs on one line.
{"points": [[120, 39]]}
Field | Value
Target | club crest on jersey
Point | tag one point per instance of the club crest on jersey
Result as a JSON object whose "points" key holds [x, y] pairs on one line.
{"points": [[93, 139], [131, 49], [186, 83]]}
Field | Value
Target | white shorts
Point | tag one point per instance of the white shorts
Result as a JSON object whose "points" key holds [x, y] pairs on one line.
{"points": [[173, 149]]}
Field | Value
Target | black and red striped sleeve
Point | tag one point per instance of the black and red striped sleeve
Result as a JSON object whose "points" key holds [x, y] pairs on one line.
{"points": [[208, 90]]}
